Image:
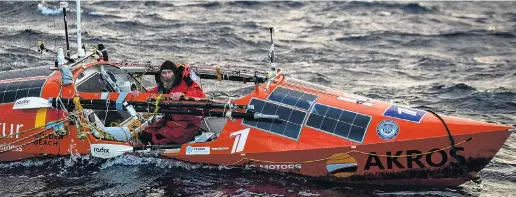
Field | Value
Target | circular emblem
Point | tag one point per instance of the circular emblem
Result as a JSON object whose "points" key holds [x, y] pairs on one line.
{"points": [[341, 165], [387, 129], [189, 149]]}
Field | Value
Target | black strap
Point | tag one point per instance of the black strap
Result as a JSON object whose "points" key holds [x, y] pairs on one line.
{"points": [[453, 152]]}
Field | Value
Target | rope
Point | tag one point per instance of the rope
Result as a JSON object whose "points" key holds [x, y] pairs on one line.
{"points": [[108, 101], [103, 134], [450, 137], [82, 122], [453, 151], [77, 103], [32, 129], [22, 145], [351, 151], [156, 104], [132, 127]]}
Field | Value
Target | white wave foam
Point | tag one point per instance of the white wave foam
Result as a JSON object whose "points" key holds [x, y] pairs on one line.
{"points": [[49, 11]]}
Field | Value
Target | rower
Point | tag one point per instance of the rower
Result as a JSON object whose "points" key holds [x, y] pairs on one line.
{"points": [[174, 79]]}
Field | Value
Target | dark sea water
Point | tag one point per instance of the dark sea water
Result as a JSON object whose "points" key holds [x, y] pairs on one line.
{"points": [[455, 58]]}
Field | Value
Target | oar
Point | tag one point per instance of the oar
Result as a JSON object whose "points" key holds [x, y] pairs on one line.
{"points": [[161, 104], [107, 151]]}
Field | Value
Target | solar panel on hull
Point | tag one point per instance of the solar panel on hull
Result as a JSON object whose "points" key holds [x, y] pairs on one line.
{"points": [[343, 123], [25, 73], [10, 92], [291, 119], [292, 97]]}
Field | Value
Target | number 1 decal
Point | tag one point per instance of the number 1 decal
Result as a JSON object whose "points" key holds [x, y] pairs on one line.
{"points": [[240, 139], [407, 111], [408, 114]]}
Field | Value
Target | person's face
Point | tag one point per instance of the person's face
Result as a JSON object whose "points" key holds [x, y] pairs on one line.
{"points": [[167, 75]]}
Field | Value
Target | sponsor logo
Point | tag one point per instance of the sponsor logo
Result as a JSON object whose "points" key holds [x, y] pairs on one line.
{"points": [[11, 130], [49, 140], [22, 102], [387, 129], [341, 165], [278, 166], [9, 147], [101, 150], [414, 159], [407, 114], [220, 148], [197, 150], [240, 140]]}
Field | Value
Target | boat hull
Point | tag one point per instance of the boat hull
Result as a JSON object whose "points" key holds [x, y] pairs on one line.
{"points": [[330, 136], [422, 162]]}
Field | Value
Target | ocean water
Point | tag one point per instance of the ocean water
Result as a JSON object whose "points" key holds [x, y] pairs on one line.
{"points": [[455, 58]]}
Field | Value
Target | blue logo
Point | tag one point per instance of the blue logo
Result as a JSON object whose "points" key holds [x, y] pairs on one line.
{"points": [[189, 149], [387, 129], [407, 114]]}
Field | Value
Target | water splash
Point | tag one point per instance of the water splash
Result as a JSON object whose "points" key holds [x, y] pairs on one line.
{"points": [[47, 11]]}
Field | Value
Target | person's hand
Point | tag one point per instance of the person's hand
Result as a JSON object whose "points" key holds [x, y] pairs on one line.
{"points": [[176, 95], [135, 92]]}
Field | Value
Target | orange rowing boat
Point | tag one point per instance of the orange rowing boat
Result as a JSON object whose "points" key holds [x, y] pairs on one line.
{"points": [[284, 124]]}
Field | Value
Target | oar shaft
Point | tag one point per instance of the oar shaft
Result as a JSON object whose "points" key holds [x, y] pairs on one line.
{"points": [[183, 111], [162, 104], [156, 147]]}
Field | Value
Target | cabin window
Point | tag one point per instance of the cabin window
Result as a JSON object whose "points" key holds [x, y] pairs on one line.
{"points": [[122, 79], [81, 75], [95, 83], [342, 123]]}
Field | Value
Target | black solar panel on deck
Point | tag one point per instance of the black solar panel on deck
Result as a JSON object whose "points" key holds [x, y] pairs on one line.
{"points": [[37, 83], [10, 92], [3, 86], [21, 93], [34, 92], [25, 84], [291, 119], [9, 96], [13, 86], [292, 98], [2, 96], [346, 124]]}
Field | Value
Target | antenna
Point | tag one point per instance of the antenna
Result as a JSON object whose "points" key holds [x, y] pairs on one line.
{"points": [[65, 62], [80, 49], [271, 50], [64, 5], [272, 73]]}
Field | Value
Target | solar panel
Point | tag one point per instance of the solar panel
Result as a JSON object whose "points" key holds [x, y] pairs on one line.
{"points": [[291, 119], [292, 97], [10, 92], [343, 123]]}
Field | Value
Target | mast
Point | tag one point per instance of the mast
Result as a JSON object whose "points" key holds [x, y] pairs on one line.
{"points": [[80, 50]]}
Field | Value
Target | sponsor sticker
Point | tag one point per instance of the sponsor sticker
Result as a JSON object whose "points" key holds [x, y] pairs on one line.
{"points": [[387, 129], [220, 148], [190, 150], [9, 147], [407, 114], [341, 165], [278, 166]]}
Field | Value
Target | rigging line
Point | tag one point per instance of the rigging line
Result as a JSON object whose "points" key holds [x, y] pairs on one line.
{"points": [[55, 32]]}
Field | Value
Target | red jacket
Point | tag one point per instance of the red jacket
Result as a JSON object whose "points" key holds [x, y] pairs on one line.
{"points": [[178, 129]]}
